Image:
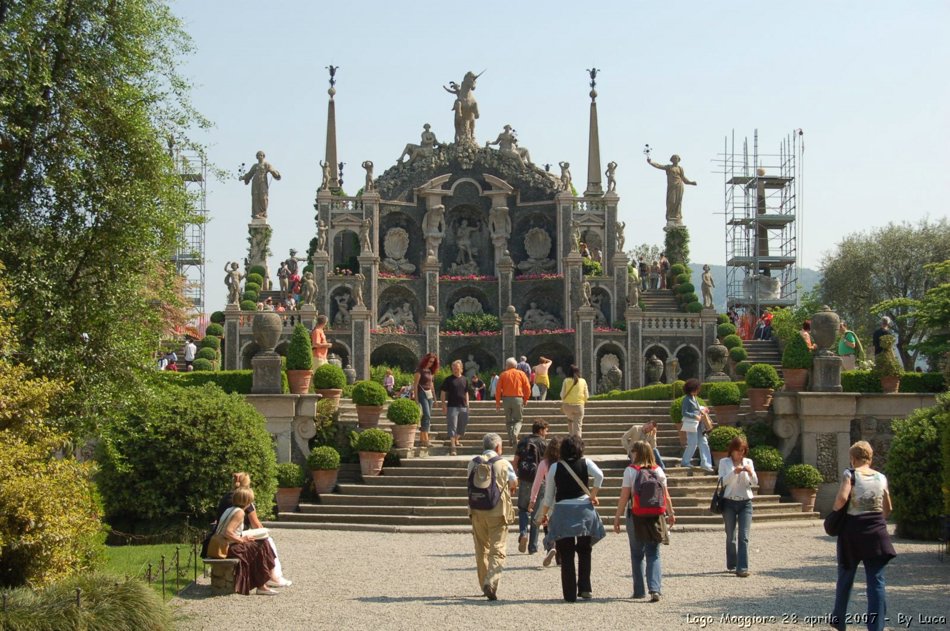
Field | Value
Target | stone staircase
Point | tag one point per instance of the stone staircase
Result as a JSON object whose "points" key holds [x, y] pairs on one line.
{"points": [[764, 352], [429, 493], [659, 300]]}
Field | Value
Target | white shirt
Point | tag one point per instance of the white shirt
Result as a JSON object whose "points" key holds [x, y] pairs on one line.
{"points": [[190, 350], [593, 472], [737, 486]]}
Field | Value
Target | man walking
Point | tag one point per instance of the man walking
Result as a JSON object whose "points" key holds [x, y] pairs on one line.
{"points": [[190, 350], [490, 524], [454, 397], [528, 456], [512, 393], [525, 367]]}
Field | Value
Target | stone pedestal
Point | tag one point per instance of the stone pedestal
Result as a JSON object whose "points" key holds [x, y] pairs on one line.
{"points": [[259, 234], [362, 319], [430, 323], [506, 273], [369, 267], [565, 215], [573, 281], [826, 438], [634, 372], [509, 332], [584, 345], [430, 271], [321, 269], [618, 266], [232, 337], [500, 247], [826, 374], [308, 316], [266, 377]]}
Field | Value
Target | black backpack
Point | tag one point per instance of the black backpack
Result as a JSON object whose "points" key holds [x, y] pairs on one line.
{"points": [[530, 451], [483, 491]]}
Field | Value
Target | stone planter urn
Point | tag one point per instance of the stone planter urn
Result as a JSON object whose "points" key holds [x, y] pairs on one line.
{"points": [[759, 398], [288, 499], [795, 379], [324, 480], [725, 414], [824, 330], [654, 370], [805, 497], [404, 436], [371, 462], [368, 415], [716, 357], [266, 328], [767, 481], [299, 381]]}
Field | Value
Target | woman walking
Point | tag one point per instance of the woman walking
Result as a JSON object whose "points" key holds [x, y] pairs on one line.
{"points": [[575, 526], [738, 477], [863, 537], [695, 436], [551, 455], [423, 393], [645, 529], [541, 378], [574, 395]]}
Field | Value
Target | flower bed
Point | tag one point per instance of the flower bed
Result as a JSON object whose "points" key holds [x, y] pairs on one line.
{"points": [[546, 331], [539, 276], [607, 329], [397, 330], [464, 333], [392, 276], [469, 277]]}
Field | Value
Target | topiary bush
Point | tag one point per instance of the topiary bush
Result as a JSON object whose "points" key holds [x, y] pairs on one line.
{"points": [[217, 317], [742, 367], [721, 435], [802, 476], [677, 388], [722, 318], [254, 278], [762, 376], [169, 456], [329, 377], [214, 329], [916, 491], [685, 288], [679, 279], [732, 341], [374, 440], [796, 354], [370, 393], [250, 296], [678, 268], [766, 458], [299, 352], [207, 353], [694, 307], [885, 362], [725, 328], [290, 475], [210, 341], [761, 433], [252, 287], [248, 305], [202, 365], [259, 270], [676, 408], [723, 393], [738, 354], [647, 393], [592, 268], [231, 381], [404, 412], [325, 458]]}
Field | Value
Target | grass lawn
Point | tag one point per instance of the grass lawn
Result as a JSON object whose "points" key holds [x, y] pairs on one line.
{"points": [[134, 560]]}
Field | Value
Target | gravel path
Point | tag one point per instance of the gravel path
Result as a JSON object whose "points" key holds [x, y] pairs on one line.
{"points": [[365, 580]]}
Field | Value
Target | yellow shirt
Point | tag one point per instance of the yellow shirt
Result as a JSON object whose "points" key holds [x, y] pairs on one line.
{"points": [[577, 394]]}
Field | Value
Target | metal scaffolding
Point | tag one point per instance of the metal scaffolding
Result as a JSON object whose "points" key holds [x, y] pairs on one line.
{"points": [[189, 260], [763, 222]]}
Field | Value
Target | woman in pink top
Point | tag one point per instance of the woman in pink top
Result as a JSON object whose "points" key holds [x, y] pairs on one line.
{"points": [[551, 455]]}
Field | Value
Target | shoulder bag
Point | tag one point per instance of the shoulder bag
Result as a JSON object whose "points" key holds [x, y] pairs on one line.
{"points": [[218, 544], [715, 505], [565, 396], [834, 522]]}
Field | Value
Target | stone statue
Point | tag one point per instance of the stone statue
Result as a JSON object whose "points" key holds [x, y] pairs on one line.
{"points": [[471, 367], [707, 287], [257, 178], [565, 175], [537, 243], [675, 179], [467, 304], [633, 289], [499, 222], [426, 148], [575, 237], [395, 246], [465, 107], [621, 240], [325, 184], [342, 317], [463, 240], [539, 319], [368, 186], [366, 240], [433, 226], [293, 260], [398, 317], [358, 289], [507, 143], [321, 236], [586, 294], [611, 377], [611, 179], [308, 290], [283, 277], [597, 302], [233, 282]]}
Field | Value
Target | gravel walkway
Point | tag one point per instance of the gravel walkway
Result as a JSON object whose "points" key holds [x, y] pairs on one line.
{"points": [[365, 580]]}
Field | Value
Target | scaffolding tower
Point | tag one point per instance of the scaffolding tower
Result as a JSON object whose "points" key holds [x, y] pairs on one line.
{"points": [[192, 168], [763, 223]]}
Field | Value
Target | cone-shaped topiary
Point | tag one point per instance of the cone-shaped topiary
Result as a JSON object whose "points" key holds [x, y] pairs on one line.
{"points": [[329, 377], [885, 362], [370, 393], [404, 412], [796, 353], [299, 354]]}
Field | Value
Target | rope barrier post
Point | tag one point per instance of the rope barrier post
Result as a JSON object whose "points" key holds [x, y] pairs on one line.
{"points": [[162, 571], [148, 573], [78, 597], [177, 570], [194, 546]]}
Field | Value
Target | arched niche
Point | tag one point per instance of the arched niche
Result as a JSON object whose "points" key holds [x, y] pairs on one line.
{"points": [[395, 298], [341, 350], [560, 355], [547, 297], [415, 254], [661, 353], [525, 221], [594, 238], [468, 223], [395, 356], [341, 301], [603, 305], [469, 291], [604, 360], [688, 357], [346, 249], [486, 361]]}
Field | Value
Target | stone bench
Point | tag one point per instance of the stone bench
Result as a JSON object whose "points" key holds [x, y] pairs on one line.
{"points": [[223, 573]]}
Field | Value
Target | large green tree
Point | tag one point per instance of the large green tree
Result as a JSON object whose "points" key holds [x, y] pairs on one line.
{"points": [[90, 205], [884, 264]]}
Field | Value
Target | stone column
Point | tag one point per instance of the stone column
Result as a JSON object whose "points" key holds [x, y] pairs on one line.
{"points": [[369, 267], [322, 206], [506, 274], [308, 316], [232, 337], [610, 227], [321, 269], [565, 214], [259, 234], [430, 271], [584, 345], [634, 372], [708, 321], [619, 266], [430, 322], [510, 330], [362, 319], [279, 412], [573, 280]]}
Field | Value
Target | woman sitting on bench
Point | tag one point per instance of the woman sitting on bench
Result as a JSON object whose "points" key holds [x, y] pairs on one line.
{"points": [[255, 556]]}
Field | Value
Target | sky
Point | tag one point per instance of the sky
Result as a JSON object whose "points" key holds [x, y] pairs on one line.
{"points": [[865, 81]]}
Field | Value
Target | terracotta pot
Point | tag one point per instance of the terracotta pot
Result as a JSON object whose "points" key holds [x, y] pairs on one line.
{"points": [[404, 436], [332, 394], [890, 385], [371, 462], [795, 379], [759, 398], [299, 381], [805, 497], [717, 456], [767, 481], [266, 328], [324, 480], [725, 414], [368, 415], [288, 499]]}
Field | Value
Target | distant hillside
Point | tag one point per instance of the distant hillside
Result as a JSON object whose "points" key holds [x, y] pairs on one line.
{"points": [[807, 280]]}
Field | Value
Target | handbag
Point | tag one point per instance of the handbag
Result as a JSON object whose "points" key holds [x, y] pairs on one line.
{"points": [[218, 544], [834, 522], [715, 505]]}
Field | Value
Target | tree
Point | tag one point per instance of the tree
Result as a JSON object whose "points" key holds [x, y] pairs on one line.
{"points": [[650, 253], [887, 263], [91, 208]]}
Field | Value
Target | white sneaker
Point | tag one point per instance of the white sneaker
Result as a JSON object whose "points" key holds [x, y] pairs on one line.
{"points": [[283, 582], [263, 591]]}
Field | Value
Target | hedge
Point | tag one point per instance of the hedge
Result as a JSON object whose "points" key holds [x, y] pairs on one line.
{"points": [[248, 305], [231, 381], [738, 354], [726, 328], [217, 317], [202, 365], [732, 341], [658, 392], [920, 382], [695, 306]]}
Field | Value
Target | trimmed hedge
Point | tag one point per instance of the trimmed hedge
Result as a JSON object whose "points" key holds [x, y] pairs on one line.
{"points": [[290, 475], [254, 278], [867, 381], [760, 433], [369, 393], [720, 437], [248, 305], [762, 376], [685, 288], [231, 381], [248, 286], [803, 476], [375, 440], [299, 352], [678, 268], [251, 296], [796, 354], [210, 341], [217, 317], [694, 307], [658, 392], [766, 458], [404, 412], [885, 363], [207, 353], [259, 270], [722, 318], [743, 367], [723, 393], [325, 458], [731, 341]]}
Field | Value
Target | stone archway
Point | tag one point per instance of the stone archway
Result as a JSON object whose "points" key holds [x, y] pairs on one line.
{"points": [[561, 357], [689, 361], [607, 355], [411, 260], [661, 353], [466, 248], [396, 356], [396, 300], [346, 249]]}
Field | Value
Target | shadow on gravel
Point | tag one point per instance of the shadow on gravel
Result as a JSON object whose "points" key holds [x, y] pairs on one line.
{"points": [[448, 601]]}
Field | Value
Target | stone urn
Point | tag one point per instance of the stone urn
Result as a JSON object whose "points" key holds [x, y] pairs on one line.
{"points": [[350, 374], [805, 497], [266, 327], [767, 481], [654, 370], [824, 330], [716, 357], [324, 480]]}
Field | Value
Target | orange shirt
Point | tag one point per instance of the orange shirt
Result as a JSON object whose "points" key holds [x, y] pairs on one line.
{"points": [[318, 341], [513, 383]]}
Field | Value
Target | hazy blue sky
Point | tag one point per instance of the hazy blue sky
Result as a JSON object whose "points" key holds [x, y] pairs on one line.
{"points": [[866, 81]]}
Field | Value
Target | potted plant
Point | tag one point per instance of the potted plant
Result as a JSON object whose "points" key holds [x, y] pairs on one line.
{"points": [[299, 360], [329, 381], [405, 415], [719, 439], [324, 463], [369, 398], [762, 380], [676, 411], [724, 400], [796, 360], [290, 480], [802, 481], [372, 445], [886, 366], [768, 462]]}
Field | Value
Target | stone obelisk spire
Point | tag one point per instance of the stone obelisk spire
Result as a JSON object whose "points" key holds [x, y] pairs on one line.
{"points": [[594, 188], [331, 158]]}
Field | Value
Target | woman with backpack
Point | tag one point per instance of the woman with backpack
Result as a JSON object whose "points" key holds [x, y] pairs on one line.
{"points": [[738, 477], [575, 525], [646, 501], [552, 454]]}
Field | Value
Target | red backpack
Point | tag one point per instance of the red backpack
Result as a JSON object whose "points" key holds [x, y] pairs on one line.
{"points": [[648, 495]]}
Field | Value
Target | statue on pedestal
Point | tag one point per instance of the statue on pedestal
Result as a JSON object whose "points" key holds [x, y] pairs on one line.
{"points": [[565, 175], [257, 178], [575, 237], [321, 236], [292, 261], [611, 177], [586, 294], [233, 282], [366, 241], [499, 222], [433, 226], [368, 186], [325, 183], [707, 287], [465, 259], [358, 289], [308, 290], [621, 239], [426, 148], [471, 367], [465, 107], [633, 289], [675, 179], [507, 143]]}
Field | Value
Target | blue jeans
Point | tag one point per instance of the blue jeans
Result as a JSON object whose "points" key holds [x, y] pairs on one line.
{"points": [[877, 607], [735, 513], [526, 525], [692, 440], [456, 420], [658, 458], [638, 552], [426, 406]]}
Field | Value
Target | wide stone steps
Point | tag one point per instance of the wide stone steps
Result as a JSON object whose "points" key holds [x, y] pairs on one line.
{"points": [[764, 352]]}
